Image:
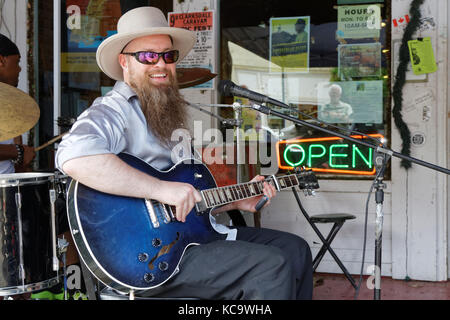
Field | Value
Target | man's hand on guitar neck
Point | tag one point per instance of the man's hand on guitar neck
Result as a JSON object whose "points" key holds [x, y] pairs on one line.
{"points": [[249, 204]]}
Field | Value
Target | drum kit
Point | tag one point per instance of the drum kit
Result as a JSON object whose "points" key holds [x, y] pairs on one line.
{"points": [[32, 204], [29, 252]]}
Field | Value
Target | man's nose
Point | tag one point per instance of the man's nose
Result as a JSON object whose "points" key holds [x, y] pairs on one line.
{"points": [[160, 62]]}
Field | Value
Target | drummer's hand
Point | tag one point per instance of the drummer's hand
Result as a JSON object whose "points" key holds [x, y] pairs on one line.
{"points": [[28, 155]]}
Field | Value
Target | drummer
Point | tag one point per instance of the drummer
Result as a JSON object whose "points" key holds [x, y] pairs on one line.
{"points": [[14, 155]]}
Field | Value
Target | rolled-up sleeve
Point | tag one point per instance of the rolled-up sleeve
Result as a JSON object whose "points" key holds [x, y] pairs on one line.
{"points": [[98, 130]]}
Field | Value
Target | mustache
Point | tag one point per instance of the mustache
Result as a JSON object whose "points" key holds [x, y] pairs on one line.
{"points": [[172, 78]]}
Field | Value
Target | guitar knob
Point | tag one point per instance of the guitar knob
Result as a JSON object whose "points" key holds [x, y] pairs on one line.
{"points": [[156, 242], [163, 266], [198, 175], [149, 277], [143, 257]]}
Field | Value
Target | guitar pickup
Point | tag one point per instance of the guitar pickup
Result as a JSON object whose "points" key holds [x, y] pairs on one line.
{"points": [[151, 213]]}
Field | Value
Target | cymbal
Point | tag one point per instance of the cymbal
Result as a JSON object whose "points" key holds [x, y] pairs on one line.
{"points": [[189, 77], [19, 112]]}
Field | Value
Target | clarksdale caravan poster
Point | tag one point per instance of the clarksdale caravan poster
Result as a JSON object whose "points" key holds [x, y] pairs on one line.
{"points": [[202, 55], [289, 44]]}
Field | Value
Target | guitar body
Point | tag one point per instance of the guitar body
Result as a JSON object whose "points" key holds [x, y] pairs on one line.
{"points": [[119, 242]]}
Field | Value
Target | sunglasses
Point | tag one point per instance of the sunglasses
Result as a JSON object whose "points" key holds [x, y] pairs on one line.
{"points": [[150, 57]]}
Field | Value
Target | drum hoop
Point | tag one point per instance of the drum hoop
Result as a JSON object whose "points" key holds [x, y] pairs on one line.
{"points": [[23, 179], [8, 291]]}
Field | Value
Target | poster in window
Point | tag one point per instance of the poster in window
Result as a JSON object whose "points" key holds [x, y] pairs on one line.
{"points": [[88, 23], [347, 102], [289, 44], [359, 60], [359, 22], [358, 1], [202, 54]]}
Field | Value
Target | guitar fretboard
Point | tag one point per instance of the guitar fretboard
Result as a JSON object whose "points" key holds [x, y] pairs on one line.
{"points": [[223, 195]]}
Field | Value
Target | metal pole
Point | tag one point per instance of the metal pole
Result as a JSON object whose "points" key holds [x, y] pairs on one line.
{"points": [[56, 64], [238, 117], [379, 197]]}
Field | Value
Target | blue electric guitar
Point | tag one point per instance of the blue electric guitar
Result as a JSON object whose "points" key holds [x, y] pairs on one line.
{"points": [[137, 244]]}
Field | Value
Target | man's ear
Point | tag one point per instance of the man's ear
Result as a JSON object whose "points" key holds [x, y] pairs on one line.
{"points": [[2, 61], [123, 61]]}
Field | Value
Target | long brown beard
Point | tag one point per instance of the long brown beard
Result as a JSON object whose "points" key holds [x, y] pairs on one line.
{"points": [[163, 106]]}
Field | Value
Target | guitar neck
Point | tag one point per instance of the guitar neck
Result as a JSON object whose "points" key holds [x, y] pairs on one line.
{"points": [[223, 195]]}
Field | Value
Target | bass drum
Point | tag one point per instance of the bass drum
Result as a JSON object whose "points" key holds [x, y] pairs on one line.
{"points": [[27, 233]]}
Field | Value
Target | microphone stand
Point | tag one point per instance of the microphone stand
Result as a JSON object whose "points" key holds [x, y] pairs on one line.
{"points": [[381, 161], [226, 122]]}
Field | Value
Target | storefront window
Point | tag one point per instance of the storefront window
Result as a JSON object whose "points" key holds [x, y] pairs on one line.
{"points": [[88, 24], [328, 60]]}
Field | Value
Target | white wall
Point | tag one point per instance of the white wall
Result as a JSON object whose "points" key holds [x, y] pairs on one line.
{"points": [[448, 140], [13, 24], [420, 202]]}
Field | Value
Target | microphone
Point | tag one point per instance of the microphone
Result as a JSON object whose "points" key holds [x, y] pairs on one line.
{"points": [[227, 88]]}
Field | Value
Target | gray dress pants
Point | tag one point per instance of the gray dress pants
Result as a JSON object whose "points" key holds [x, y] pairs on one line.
{"points": [[261, 264]]}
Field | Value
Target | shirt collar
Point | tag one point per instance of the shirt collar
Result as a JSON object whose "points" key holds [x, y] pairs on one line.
{"points": [[125, 90]]}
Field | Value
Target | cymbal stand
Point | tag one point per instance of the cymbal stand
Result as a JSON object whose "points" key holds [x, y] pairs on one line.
{"points": [[237, 107], [62, 248]]}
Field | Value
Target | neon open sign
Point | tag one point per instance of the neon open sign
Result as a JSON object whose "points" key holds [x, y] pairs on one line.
{"points": [[329, 155]]}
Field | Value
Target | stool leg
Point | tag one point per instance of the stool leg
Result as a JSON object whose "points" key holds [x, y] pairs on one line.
{"points": [[333, 232], [335, 257]]}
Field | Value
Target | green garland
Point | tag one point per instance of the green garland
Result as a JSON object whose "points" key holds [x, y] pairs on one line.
{"points": [[400, 79]]}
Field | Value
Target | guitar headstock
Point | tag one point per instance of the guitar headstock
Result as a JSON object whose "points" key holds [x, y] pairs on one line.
{"points": [[307, 180]]}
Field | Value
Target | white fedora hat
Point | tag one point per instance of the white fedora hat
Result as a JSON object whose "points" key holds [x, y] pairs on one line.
{"points": [[136, 23]]}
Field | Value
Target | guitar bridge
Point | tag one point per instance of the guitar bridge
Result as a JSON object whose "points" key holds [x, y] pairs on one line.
{"points": [[200, 207]]}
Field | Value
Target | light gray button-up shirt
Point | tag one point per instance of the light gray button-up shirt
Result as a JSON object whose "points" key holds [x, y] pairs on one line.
{"points": [[115, 123]]}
